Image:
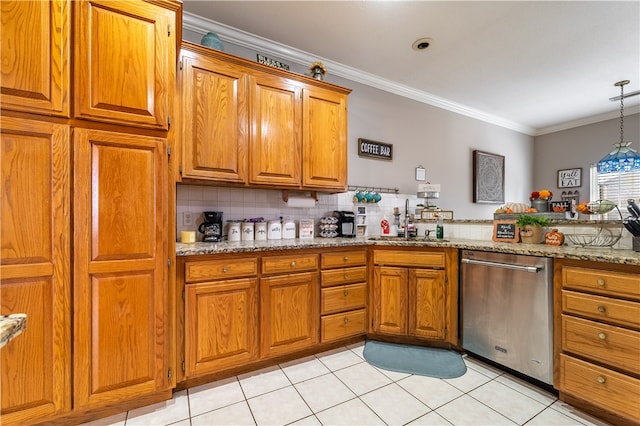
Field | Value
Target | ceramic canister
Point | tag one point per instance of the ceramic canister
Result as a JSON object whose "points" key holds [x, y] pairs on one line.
{"points": [[233, 233], [247, 231], [260, 231], [274, 231], [288, 229]]}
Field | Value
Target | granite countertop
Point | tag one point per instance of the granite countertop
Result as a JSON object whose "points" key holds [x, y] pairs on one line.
{"points": [[599, 254], [11, 326]]}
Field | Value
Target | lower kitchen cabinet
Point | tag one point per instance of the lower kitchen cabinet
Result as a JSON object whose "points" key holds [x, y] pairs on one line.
{"points": [[597, 338], [120, 309], [412, 294], [35, 268]]}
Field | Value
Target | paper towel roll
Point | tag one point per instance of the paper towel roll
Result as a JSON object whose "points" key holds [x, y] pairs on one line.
{"points": [[301, 202]]}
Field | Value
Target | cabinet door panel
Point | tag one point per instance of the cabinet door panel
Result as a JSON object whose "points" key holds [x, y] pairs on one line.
{"points": [[275, 135], [123, 54], [222, 325], [35, 268], [427, 303], [35, 56], [390, 300], [215, 119], [289, 313], [120, 299], [324, 143]]}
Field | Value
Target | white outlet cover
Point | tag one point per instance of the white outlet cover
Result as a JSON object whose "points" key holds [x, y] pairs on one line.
{"points": [[187, 219]]}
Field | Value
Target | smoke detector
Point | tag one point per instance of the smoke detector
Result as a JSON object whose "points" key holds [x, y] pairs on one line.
{"points": [[422, 43]]}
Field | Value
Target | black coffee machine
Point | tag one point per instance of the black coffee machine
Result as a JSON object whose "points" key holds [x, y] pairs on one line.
{"points": [[346, 223], [211, 228]]}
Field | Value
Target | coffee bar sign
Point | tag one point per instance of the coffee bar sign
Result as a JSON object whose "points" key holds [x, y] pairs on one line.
{"points": [[373, 149]]}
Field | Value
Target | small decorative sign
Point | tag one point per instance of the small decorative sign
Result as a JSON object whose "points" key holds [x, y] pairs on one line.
{"points": [[560, 206], [505, 231], [272, 62], [373, 149], [569, 178]]}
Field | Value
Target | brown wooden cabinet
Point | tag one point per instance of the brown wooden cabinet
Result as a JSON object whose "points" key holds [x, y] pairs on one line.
{"points": [[36, 37], [220, 314], [246, 123], [597, 338], [288, 304], [124, 60], [343, 298], [121, 339], [412, 295], [35, 268]]}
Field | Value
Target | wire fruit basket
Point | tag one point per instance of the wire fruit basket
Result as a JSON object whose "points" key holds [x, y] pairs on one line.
{"points": [[606, 236]]}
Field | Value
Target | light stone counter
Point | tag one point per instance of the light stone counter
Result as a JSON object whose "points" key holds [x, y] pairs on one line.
{"points": [[11, 326], [599, 254]]}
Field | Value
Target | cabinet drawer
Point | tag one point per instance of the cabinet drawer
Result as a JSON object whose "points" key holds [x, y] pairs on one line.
{"points": [[621, 312], [220, 269], [338, 326], [409, 258], [286, 264], [608, 389], [344, 258], [344, 276], [343, 298], [608, 344], [610, 283]]}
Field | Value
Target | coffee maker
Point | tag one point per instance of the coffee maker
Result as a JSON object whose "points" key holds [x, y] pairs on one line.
{"points": [[211, 228], [346, 223]]}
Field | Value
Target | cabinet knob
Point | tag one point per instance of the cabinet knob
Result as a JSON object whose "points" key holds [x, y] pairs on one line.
{"points": [[346, 258], [602, 309], [346, 292], [601, 282], [601, 380], [293, 263], [602, 336], [225, 269], [346, 276], [346, 320]]}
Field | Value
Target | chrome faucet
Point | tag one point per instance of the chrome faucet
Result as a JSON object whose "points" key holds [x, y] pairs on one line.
{"points": [[406, 219]]}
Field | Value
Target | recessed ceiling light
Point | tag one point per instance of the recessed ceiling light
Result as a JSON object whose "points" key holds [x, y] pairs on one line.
{"points": [[422, 43]]}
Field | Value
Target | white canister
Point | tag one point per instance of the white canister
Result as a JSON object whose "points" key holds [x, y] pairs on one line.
{"points": [[260, 231], [247, 231], [288, 229], [233, 232], [274, 231]]}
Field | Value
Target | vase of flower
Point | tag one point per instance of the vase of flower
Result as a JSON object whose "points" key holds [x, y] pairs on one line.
{"points": [[318, 70], [540, 200]]}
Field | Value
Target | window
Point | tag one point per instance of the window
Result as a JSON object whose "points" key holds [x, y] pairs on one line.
{"points": [[616, 186]]}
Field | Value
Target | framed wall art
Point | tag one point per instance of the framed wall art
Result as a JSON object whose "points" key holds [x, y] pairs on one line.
{"points": [[488, 178], [570, 178]]}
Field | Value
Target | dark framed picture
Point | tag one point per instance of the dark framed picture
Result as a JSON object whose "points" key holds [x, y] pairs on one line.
{"points": [[570, 178], [488, 178]]}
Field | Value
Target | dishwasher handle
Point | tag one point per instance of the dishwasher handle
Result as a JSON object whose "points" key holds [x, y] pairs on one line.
{"points": [[533, 269]]}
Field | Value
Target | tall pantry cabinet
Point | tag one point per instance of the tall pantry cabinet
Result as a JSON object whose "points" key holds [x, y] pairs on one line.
{"points": [[84, 204]]}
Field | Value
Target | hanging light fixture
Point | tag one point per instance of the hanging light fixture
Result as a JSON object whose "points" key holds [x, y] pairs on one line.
{"points": [[623, 158]]}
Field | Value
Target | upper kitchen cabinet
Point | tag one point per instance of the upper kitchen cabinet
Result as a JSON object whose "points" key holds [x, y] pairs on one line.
{"points": [[120, 297], [214, 117], [124, 61], [35, 56], [35, 268], [247, 123]]}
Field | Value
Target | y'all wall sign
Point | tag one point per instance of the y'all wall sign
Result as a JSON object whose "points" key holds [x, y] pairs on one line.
{"points": [[374, 149]]}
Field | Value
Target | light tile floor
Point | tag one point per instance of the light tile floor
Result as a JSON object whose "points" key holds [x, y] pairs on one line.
{"points": [[339, 387]]}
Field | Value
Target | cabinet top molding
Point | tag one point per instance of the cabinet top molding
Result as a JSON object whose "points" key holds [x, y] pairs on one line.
{"points": [[202, 50]]}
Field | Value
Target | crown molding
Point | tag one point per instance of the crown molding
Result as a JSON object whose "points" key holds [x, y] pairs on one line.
{"points": [[587, 120]]}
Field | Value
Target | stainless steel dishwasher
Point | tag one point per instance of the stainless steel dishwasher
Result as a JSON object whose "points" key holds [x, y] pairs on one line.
{"points": [[507, 310]]}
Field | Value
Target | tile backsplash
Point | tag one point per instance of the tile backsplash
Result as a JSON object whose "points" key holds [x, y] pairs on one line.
{"points": [[241, 203]]}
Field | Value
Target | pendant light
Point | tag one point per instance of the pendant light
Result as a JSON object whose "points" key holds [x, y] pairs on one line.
{"points": [[623, 158]]}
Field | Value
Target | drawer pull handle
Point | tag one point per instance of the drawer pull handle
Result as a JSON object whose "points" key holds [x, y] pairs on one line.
{"points": [[346, 258], [601, 380], [225, 269], [602, 309], [346, 292], [601, 282], [293, 263], [346, 320], [602, 336], [346, 276]]}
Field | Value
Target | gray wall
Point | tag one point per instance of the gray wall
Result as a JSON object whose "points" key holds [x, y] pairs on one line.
{"points": [[580, 147]]}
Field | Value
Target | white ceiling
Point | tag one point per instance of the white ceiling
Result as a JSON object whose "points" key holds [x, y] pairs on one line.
{"points": [[533, 66]]}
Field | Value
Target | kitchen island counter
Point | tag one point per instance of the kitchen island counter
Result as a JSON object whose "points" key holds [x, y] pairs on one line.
{"points": [[597, 254]]}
